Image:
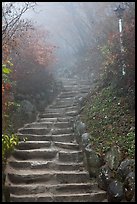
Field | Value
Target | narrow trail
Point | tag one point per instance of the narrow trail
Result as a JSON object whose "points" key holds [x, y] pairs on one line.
{"points": [[48, 167]]}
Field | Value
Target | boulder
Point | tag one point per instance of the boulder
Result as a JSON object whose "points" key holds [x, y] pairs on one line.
{"points": [[104, 177], [113, 157], [115, 191], [125, 168], [85, 139], [129, 185], [27, 107], [81, 128], [93, 161]]}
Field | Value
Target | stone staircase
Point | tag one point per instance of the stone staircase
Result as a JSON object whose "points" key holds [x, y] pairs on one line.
{"points": [[48, 166]]}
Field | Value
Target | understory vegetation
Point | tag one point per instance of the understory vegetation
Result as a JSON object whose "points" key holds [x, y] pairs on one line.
{"points": [[109, 110], [110, 121]]}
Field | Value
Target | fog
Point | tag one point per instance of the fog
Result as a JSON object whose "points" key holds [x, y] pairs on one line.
{"points": [[74, 27]]}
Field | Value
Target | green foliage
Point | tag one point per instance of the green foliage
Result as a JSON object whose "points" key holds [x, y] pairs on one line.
{"points": [[8, 144], [6, 70], [110, 120]]}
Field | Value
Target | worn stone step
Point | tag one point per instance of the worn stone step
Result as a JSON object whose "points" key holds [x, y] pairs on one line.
{"points": [[50, 115], [31, 198], [37, 131], [62, 125], [35, 154], [29, 164], [67, 99], [76, 87], [58, 138], [56, 189], [56, 110], [72, 113], [47, 124], [59, 131], [33, 137], [59, 119], [46, 120], [70, 101], [69, 166], [75, 82], [60, 105], [68, 94], [75, 156], [42, 164], [67, 145], [63, 138], [79, 197], [54, 177], [33, 145]]}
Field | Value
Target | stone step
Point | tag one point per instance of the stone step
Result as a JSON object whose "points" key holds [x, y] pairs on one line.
{"points": [[60, 105], [79, 197], [56, 189], [68, 94], [78, 166], [33, 137], [47, 120], [59, 131], [41, 164], [75, 82], [39, 125], [59, 119], [72, 113], [63, 138], [58, 138], [50, 115], [48, 125], [37, 131], [27, 145], [75, 156], [62, 125], [35, 154], [77, 89], [56, 110], [50, 177], [66, 100], [33, 145], [67, 145]]}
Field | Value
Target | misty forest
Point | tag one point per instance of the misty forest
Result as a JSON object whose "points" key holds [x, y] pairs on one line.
{"points": [[68, 101]]}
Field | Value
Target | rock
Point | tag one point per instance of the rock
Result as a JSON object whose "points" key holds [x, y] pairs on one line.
{"points": [[105, 177], [26, 106], [81, 127], [93, 161], [115, 191], [113, 157], [26, 109], [80, 100], [125, 168], [85, 139], [129, 185]]}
